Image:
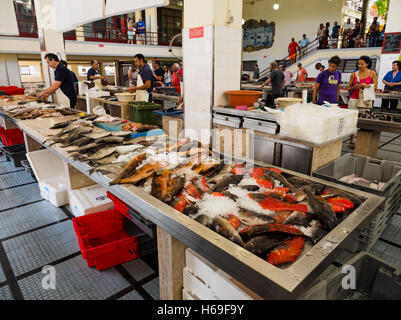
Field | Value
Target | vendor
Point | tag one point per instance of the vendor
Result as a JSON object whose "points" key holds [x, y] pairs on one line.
{"points": [[94, 72], [328, 83], [392, 81], [158, 72], [144, 85], [277, 80], [63, 80], [302, 74]]}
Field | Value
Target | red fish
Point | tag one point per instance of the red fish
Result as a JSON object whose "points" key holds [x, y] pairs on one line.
{"points": [[180, 203], [269, 203], [194, 190], [238, 169], [234, 221], [217, 194], [262, 179], [288, 251], [281, 216], [341, 202]]}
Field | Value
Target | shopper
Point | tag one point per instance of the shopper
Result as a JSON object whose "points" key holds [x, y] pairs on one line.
{"points": [[140, 31], [167, 77], [287, 74], [144, 85], [131, 31], [347, 26], [158, 72], [175, 80], [392, 81], [277, 81], [358, 30], [302, 75], [303, 43], [256, 72], [374, 33], [180, 71], [327, 83], [320, 35], [361, 79], [133, 73], [292, 50], [326, 36], [94, 71], [335, 30], [62, 80]]}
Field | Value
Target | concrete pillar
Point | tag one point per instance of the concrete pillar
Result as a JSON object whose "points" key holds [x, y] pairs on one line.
{"points": [[50, 42], [151, 25], [9, 70], [212, 38]]}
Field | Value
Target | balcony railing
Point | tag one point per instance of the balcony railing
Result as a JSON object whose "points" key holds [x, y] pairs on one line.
{"points": [[27, 28], [112, 34]]}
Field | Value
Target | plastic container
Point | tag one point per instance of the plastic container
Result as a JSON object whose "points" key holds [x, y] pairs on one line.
{"points": [[11, 137], [316, 124], [243, 97], [125, 97], [364, 167], [142, 112], [286, 102], [103, 240], [89, 200], [374, 280], [145, 225], [12, 90], [49, 171]]}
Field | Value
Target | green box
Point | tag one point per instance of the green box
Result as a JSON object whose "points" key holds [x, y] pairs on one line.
{"points": [[142, 112]]}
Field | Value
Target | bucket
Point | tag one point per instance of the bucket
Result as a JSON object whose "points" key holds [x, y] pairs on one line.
{"points": [[286, 102]]}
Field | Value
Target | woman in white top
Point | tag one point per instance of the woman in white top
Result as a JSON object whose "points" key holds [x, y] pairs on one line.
{"points": [[132, 76], [167, 77]]}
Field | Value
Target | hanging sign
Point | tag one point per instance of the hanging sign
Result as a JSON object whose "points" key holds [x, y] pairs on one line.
{"points": [[195, 33]]}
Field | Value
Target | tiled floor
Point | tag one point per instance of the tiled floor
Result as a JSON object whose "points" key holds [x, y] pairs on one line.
{"points": [[33, 234]]}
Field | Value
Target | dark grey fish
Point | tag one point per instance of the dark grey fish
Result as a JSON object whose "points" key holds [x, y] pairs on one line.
{"points": [[318, 231], [262, 244], [114, 168], [61, 125], [110, 139], [279, 177], [333, 192], [297, 218], [251, 188], [316, 188], [191, 210], [321, 209], [102, 153], [84, 148], [203, 219], [225, 182], [224, 228], [252, 218], [298, 182], [230, 195], [78, 143]]}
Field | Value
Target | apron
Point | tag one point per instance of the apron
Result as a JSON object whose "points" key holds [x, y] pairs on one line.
{"points": [[141, 95]]}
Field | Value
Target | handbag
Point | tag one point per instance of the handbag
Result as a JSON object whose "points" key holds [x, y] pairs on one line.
{"points": [[365, 100]]}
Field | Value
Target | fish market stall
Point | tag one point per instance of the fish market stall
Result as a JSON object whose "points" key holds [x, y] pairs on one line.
{"points": [[255, 134], [215, 208]]}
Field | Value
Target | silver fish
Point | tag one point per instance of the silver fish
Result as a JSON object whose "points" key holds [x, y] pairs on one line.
{"points": [[102, 153], [98, 135]]}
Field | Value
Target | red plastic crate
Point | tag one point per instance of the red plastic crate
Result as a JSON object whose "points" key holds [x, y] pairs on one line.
{"points": [[11, 137], [118, 204], [12, 90], [103, 241]]}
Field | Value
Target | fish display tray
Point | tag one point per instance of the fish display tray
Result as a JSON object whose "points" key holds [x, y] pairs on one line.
{"points": [[364, 167], [374, 280], [117, 126]]}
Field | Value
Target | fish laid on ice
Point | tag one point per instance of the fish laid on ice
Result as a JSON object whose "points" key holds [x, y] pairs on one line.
{"points": [[297, 218], [129, 168], [269, 228], [175, 186], [146, 171], [226, 182], [261, 244], [288, 251], [321, 209], [159, 185], [251, 218], [224, 228]]}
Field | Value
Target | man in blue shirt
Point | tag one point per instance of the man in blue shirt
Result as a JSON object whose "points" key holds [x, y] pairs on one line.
{"points": [[63, 80], [336, 29], [392, 81], [145, 72], [140, 31], [303, 43]]}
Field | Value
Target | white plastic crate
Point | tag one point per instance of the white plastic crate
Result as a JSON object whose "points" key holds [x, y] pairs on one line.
{"points": [[89, 200], [49, 171]]}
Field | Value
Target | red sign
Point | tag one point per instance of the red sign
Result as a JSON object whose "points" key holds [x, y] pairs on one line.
{"points": [[101, 45], [196, 33]]}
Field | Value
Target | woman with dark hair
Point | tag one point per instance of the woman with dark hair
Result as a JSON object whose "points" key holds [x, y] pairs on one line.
{"points": [[361, 79], [328, 83], [392, 81]]}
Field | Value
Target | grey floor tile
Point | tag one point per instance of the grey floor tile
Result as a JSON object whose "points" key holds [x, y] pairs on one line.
{"points": [[8, 166], [133, 295], [393, 231], [41, 247], [138, 269], [388, 155], [15, 179], [152, 287], [18, 196], [388, 253], [5, 293], [74, 281], [389, 134], [391, 147], [28, 217]]}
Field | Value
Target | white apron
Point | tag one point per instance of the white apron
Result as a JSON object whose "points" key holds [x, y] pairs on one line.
{"points": [[141, 95]]}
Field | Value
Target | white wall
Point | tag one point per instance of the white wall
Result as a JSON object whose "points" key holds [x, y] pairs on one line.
{"points": [[293, 19]]}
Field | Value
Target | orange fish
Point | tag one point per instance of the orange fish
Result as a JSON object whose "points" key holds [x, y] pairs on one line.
{"points": [[288, 251]]}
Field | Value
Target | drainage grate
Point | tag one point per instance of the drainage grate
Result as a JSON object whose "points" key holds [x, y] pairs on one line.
{"points": [[18, 196]]}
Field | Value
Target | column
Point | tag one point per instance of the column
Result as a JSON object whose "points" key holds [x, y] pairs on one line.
{"points": [[151, 26], [50, 42], [9, 70], [212, 38]]}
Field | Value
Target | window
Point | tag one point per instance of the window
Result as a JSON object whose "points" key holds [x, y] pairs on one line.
{"points": [[29, 70], [83, 70], [26, 18], [169, 24], [249, 65], [109, 69]]}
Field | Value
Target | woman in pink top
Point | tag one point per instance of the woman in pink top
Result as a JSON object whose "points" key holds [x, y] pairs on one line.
{"points": [[361, 79]]}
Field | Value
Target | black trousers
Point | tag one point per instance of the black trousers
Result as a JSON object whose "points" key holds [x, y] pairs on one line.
{"points": [[73, 102], [270, 99], [389, 102]]}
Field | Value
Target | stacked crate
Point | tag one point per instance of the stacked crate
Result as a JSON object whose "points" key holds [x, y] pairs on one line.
{"points": [[368, 168]]}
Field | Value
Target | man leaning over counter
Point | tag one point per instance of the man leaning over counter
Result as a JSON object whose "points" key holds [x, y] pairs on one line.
{"points": [[144, 86]]}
